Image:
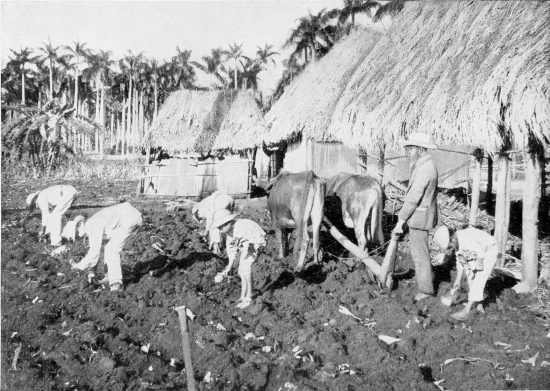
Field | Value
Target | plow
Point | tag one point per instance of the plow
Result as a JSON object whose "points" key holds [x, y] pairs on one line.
{"points": [[383, 272]]}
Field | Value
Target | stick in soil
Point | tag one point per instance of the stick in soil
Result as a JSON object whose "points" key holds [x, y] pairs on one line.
{"points": [[16, 357], [186, 348]]}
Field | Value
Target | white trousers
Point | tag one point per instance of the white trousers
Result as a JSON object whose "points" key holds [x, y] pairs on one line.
{"points": [[113, 248], [477, 280], [52, 221]]}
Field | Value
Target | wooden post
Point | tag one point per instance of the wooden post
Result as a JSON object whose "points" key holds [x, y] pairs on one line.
{"points": [[531, 198], [489, 194], [544, 204], [249, 186], [186, 348], [381, 163], [502, 206], [476, 182]]}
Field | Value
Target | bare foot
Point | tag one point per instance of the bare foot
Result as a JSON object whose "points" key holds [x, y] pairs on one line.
{"points": [[421, 296], [461, 315], [479, 308]]}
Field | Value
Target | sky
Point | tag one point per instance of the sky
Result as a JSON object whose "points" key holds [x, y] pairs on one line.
{"points": [[156, 27]]}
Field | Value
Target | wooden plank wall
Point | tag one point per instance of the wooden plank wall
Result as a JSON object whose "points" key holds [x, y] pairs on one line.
{"points": [[189, 178], [325, 159]]}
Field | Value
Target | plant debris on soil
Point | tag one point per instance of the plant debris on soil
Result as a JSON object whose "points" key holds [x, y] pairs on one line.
{"points": [[327, 328]]}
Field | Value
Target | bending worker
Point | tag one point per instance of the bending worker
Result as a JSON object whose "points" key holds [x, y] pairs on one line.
{"points": [[476, 255], [114, 223], [242, 235], [53, 202], [419, 209], [203, 211]]}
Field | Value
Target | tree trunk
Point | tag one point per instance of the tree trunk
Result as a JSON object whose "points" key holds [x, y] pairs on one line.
{"points": [[156, 100], [51, 80], [141, 117], [128, 130], [235, 74], [489, 193], [111, 133], [476, 186], [502, 206], [531, 198], [135, 121], [123, 130], [23, 86], [102, 119], [76, 85], [97, 114]]}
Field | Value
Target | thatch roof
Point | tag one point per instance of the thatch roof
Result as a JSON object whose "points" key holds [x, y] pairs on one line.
{"points": [[203, 121], [465, 72]]}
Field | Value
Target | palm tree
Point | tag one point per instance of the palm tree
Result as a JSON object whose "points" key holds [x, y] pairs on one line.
{"points": [[51, 57], [182, 71], [353, 7], [129, 66], [265, 55], [98, 73], [311, 36], [249, 74], [77, 52], [214, 64], [155, 70], [235, 53], [20, 62]]}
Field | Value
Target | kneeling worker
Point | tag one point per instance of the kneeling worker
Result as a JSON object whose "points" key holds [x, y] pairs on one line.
{"points": [[53, 202], [115, 223], [476, 255], [242, 235]]}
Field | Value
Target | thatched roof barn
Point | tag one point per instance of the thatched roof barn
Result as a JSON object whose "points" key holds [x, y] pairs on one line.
{"points": [[204, 121], [474, 73]]}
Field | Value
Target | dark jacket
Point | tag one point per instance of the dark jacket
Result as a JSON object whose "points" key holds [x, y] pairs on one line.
{"points": [[420, 207]]}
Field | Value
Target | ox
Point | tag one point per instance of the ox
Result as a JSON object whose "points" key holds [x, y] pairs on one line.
{"points": [[361, 196], [293, 200]]}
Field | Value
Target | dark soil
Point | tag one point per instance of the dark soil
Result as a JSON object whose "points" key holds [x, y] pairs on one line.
{"points": [[74, 335]]}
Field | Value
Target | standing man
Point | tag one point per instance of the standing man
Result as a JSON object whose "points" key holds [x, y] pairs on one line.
{"points": [[419, 210], [115, 223], [53, 202]]}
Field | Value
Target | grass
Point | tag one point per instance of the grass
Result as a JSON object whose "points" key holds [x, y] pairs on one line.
{"points": [[81, 168]]}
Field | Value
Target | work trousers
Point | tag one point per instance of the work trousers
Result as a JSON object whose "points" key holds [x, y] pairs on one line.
{"points": [[477, 280], [52, 221], [418, 240], [113, 248]]}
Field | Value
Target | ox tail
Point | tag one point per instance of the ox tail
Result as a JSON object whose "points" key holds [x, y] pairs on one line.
{"points": [[304, 214]]}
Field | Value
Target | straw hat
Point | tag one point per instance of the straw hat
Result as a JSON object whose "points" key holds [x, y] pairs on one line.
{"points": [[69, 231], [31, 199], [420, 140], [220, 217], [441, 237]]}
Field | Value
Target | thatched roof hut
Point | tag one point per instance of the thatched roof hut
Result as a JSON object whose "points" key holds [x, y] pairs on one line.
{"points": [[475, 73], [204, 121]]}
